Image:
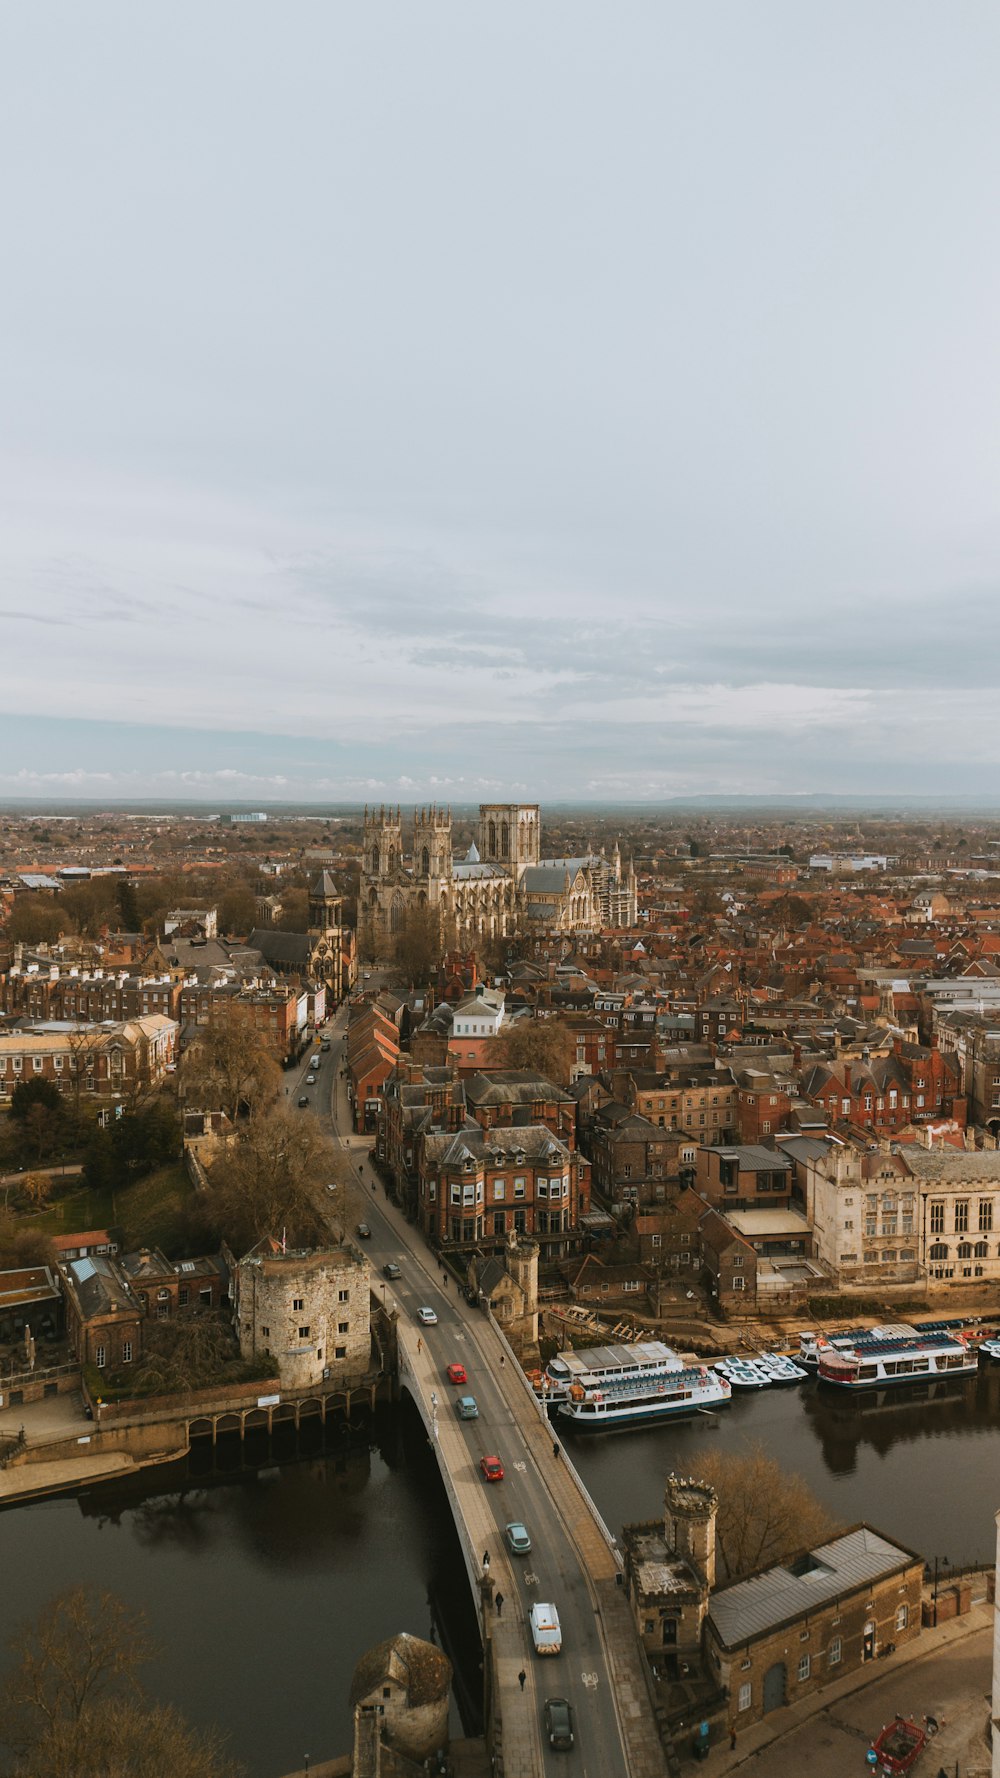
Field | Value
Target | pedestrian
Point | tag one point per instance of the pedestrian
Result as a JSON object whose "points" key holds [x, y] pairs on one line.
{"points": [[502, 1361], [555, 1449], [732, 1735], [499, 1605], [486, 1558], [522, 1676], [420, 1344]]}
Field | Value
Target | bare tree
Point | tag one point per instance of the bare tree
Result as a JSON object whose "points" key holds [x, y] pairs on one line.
{"points": [[539, 1046], [72, 1704], [766, 1514], [229, 1066], [268, 1178], [417, 949]]}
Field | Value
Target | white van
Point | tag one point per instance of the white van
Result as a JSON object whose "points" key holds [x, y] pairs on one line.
{"points": [[314, 1061], [545, 1630]]}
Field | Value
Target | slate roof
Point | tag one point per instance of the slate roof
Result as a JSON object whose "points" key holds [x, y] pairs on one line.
{"points": [[954, 1164], [284, 948], [420, 1666], [96, 1288], [534, 1141], [513, 1087], [752, 1158], [780, 1595]]}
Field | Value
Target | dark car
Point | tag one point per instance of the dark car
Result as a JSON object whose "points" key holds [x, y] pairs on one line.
{"points": [[559, 1724], [391, 1270], [303, 1102], [363, 1232]]}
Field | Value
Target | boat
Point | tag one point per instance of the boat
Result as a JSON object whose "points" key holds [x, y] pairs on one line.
{"points": [[893, 1355], [898, 1745], [607, 1387], [992, 1349], [782, 1369], [593, 1366], [743, 1373]]}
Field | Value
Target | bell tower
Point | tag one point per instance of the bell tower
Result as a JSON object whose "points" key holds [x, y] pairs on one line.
{"points": [[510, 835], [383, 842], [431, 844]]}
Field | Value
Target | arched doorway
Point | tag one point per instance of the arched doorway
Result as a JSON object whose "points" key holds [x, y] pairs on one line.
{"points": [[774, 1687]]}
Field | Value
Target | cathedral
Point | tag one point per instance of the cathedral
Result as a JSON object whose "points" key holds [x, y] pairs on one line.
{"points": [[501, 885]]}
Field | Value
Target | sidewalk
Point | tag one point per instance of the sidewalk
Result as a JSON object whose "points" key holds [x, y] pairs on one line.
{"points": [[910, 1686]]}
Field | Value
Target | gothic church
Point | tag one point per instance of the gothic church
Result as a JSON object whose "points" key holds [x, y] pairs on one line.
{"points": [[501, 884]]}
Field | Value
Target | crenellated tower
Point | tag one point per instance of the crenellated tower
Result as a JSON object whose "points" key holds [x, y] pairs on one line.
{"points": [[431, 844]]}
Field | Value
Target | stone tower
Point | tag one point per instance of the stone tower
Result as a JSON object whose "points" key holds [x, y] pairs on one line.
{"points": [[510, 834], [405, 1684], [431, 847], [381, 894], [383, 842], [689, 1510], [324, 905], [522, 1264]]}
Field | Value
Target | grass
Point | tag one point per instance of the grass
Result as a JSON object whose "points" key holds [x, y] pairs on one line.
{"points": [[150, 1212]]}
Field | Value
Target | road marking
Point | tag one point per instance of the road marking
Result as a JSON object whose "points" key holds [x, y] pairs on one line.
{"points": [[521, 1468], [530, 1580], [590, 1680]]}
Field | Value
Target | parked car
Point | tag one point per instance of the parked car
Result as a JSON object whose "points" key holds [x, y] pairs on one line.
{"points": [[427, 1317], [391, 1270], [559, 1723], [518, 1541], [456, 1373], [492, 1469], [363, 1232], [467, 1407]]}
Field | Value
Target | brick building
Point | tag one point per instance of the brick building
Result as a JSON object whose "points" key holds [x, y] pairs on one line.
{"points": [[481, 1185], [99, 1060]]}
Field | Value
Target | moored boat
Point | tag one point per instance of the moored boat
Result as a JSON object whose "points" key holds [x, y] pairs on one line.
{"points": [[640, 1400], [892, 1355], [743, 1373]]}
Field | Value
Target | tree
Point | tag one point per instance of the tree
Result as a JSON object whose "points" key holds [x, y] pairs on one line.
{"points": [[238, 909], [539, 1046], [229, 1067], [294, 915], [266, 1181], [765, 1514], [36, 919], [28, 1093], [37, 1188], [72, 1704], [128, 905], [417, 948]]}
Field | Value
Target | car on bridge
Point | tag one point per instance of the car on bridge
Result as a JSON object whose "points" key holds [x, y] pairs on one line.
{"points": [[363, 1232], [492, 1469], [518, 1541], [427, 1317], [310, 1080], [559, 1723], [467, 1407], [303, 1102], [391, 1270], [456, 1373]]}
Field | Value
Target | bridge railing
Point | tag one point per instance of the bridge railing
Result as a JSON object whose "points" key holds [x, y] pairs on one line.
{"points": [[539, 1406]]}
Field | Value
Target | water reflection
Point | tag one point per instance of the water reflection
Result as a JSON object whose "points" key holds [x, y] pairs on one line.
{"points": [[265, 1571], [843, 1420]]}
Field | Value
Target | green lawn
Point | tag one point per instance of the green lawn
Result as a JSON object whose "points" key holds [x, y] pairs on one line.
{"points": [[149, 1212]]}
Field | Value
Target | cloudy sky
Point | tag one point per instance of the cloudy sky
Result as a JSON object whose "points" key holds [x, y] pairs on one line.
{"points": [[577, 399]]}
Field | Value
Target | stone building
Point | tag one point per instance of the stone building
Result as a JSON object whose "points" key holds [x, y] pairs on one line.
{"points": [[404, 1684], [308, 1309], [792, 1629], [90, 1062], [319, 952], [669, 1574], [500, 883], [510, 1285]]}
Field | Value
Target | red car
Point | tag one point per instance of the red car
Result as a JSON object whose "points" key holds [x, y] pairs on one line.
{"points": [[492, 1469], [456, 1373]]}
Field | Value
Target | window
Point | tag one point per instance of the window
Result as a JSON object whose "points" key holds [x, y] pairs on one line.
{"points": [[938, 1251], [126, 1352], [303, 1333], [937, 1219], [266, 1333], [340, 1351], [961, 1215], [499, 1188], [99, 1358], [805, 1664], [737, 1259], [182, 1296], [746, 1693], [739, 1283], [985, 1215], [519, 1188], [298, 1302], [343, 1327], [965, 1250], [343, 1296], [902, 1616], [834, 1652]]}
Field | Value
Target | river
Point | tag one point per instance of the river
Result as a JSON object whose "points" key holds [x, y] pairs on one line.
{"points": [[265, 1574]]}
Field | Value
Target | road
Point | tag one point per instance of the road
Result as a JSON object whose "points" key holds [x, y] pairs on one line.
{"points": [[553, 1571]]}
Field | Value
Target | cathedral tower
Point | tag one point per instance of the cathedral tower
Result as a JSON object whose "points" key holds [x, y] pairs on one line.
{"points": [[510, 834], [431, 846]]}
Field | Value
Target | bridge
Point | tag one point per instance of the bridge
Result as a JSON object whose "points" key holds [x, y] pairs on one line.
{"points": [[574, 1561]]}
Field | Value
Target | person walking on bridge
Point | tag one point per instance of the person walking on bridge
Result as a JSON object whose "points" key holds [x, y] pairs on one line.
{"points": [[499, 1605], [522, 1676]]}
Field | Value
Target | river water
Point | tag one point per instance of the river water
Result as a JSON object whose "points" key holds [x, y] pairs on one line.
{"points": [[266, 1573]]}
